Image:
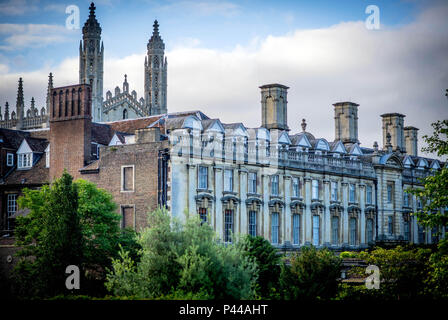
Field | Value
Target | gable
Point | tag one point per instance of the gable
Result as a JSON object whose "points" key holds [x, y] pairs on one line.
{"points": [[422, 163], [192, 122], [304, 142], [435, 164], [24, 147], [408, 161], [322, 144], [339, 147], [356, 150], [263, 134], [284, 138], [216, 126], [115, 141]]}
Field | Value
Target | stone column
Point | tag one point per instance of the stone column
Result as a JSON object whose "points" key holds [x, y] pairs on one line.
{"points": [[243, 197], [326, 220], [265, 212], [308, 229], [287, 211], [362, 218], [345, 213], [218, 204], [192, 186]]}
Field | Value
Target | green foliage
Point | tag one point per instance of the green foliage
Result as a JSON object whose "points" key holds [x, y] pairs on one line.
{"points": [[68, 218], [183, 261], [403, 273], [267, 259], [434, 194], [312, 275], [57, 235], [347, 254]]}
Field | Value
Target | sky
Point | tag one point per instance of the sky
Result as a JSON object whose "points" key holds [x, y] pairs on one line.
{"points": [[220, 52]]}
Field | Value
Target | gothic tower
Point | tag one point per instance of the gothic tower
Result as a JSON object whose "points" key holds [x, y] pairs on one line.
{"points": [[155, 74], [91, 56], [20, 106]]}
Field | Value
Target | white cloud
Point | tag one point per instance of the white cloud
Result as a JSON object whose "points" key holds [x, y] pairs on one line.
{"points": [[401, 70], [19, 36], [18, 7]]}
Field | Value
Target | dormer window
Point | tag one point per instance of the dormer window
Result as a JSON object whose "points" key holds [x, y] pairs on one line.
{"points": [[25, 160]]}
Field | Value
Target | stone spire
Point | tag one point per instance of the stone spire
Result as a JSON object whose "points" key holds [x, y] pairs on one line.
{"points": [[32, 106], [20, 106], [91, 58], [155, 74], [50, 86], [6, 110], [91, 25], [126, 84]]}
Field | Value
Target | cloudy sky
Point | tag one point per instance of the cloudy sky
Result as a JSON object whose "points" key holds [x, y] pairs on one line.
{"points": [[220, 52]]}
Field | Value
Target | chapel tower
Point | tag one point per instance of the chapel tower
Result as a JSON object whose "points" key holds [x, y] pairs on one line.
{"points": [[155, 74], [91, 57]]}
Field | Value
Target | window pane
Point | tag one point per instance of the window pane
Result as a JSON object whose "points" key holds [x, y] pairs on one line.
{"points": [[296, 229], [274, 228], [369, 230], [128, 217], [203, 177], [203, 215], [252, 223], [128, 178], [315, 191], [316, 229], [228, 225], [352, 231], [335, 230], [228, 180]]}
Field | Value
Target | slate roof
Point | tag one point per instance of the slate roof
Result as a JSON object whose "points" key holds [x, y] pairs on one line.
{"points": [[38, 174], [37, 144], [102, 133], [12, 138]]}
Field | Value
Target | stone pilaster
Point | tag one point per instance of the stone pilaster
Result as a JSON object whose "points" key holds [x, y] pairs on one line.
{"points": [[308, 227], [345, 213], [326, 220]]}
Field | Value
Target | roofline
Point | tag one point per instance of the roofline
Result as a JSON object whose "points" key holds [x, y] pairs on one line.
{"points": [[392, 114], [344, 103], [273, 85]]}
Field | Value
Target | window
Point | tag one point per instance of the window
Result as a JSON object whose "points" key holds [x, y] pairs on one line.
{"points": [[203, 215], [127, 178], [11, 207], [47, 157], [252, 182], [316, 231], [419, 204], [274, 185], [406, 199], [228, 180], [335, 230], [315, 190], [228, 225], [274, 228], [369, 194], [353, 230], [9, 159], [406, 230], [125, 114], [296, 229], [421, 234], [25, 160], [389, 193], [253, 223], [295, 187], [127, 213], [390, 224], [434, 235], [369, 230], [334, 191], [203, 177], [352, 193]]}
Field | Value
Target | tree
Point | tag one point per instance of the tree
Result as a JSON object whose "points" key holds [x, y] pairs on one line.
{"points": [[434, 194], [182, 261], [53, 238], [91, 212], [267, 258], [313, 275]]}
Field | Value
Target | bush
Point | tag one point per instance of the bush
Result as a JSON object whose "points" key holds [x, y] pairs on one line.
{"points": [[313, 275], [183, 261], [267, 259]]}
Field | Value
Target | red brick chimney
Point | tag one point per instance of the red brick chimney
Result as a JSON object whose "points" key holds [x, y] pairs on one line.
{"points": [[70, 129]]}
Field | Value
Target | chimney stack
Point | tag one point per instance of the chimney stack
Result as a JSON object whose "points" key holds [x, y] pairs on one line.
{"points": [[411, 140], [274, 106], [393, 123], [70, 129], [346, 122]]}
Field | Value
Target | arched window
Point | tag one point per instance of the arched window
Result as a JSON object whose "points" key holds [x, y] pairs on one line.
{"points": [[353, 231], [125, 114]]}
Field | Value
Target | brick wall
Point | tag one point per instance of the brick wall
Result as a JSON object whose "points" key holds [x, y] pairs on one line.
{"points": [[143, 158]]}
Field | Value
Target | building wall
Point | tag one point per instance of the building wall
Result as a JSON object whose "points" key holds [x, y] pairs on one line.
{"points": [[143, 158]]}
